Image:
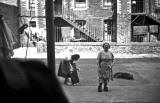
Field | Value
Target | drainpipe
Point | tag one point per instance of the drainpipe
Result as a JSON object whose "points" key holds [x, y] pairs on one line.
{"points": [[50, 31], [149, 6], [19, 6]]}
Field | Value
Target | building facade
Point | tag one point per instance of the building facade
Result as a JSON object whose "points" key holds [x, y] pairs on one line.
{"points": [[128, 25], [120, 21]]}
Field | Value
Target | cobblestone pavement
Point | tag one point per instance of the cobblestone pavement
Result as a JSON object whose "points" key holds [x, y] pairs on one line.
{"points": [[145, 88]]}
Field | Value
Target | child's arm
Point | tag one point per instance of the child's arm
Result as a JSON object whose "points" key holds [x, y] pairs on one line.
{"points": [[77, 68], [74, 67], [71, 67]]}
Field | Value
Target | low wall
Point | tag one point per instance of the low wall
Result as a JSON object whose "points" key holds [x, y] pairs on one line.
{"points": [[94, 47]]}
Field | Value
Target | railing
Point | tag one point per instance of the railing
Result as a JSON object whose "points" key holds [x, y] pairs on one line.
{"points": [[147, 7], [91, 32], [154, 11], [151, 10]]}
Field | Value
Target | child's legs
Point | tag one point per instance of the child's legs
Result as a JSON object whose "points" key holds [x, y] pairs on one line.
{"points": [[105, 85], [100, 82], [66, 80], [77, 77], [74, 77]]}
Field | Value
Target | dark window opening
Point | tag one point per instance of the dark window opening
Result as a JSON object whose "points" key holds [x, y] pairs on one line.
{"points": [[32, 23], [107, 3], [80, 3], [80, 0], [108, 26], [82, 24], [108, 30], [137, 6]]}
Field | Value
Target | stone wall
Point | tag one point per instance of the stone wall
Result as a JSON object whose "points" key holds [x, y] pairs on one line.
{"points": [[134, 48], [123, 21]]}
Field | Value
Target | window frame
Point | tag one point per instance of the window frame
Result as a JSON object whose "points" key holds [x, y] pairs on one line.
{"points": [[80, 7], [158, 3], [32, 4], [108, 26], [33, 24], [109, 5]]}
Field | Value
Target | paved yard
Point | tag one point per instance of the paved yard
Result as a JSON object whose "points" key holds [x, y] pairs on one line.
{"points": [[144, 89]]}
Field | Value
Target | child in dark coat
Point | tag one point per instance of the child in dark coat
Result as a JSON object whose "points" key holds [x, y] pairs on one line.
{"points": [[68, 69]]}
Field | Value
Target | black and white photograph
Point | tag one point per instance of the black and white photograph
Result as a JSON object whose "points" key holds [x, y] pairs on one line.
{"points": [[80, 51]]}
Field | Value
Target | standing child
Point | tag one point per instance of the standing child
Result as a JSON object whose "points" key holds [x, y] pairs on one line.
{"points": [[105, 60], [74, 69], [68, 69]]}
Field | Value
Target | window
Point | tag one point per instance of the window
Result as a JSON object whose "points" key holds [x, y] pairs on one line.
{"points": [[108, 30], [32, 23], [138, 6], [80, 4], [31, 4], [107, 3], [158, 3], [32, 8], [145, 33], [108, 26], [81, 22], [80, 0]]}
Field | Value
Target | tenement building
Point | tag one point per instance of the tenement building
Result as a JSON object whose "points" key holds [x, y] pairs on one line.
{"points": [[130, 26]]}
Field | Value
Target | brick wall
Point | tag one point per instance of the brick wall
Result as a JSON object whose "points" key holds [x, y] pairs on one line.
{"points": [[123, 21], [94, 14], [92, 47]]}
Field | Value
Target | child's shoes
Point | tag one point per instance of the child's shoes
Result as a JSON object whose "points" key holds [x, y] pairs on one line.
{"points": [[105, 89], [76, 84]]}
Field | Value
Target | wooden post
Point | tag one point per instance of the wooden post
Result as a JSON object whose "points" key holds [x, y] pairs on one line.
{"points": [[19, 17], [50, 31]]}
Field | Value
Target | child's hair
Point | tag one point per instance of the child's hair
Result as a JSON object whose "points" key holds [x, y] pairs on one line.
{"points": [[75, 57]]}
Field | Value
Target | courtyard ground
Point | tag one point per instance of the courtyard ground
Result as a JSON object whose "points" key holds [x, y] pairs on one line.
{"points": [[145, 88]]}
